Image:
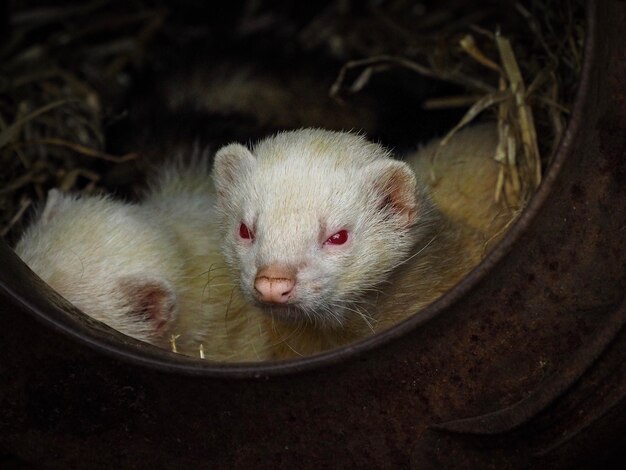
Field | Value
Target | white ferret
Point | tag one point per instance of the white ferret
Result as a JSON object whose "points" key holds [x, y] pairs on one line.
{"points": [[322, 230], [335, 240], [151, 270]]}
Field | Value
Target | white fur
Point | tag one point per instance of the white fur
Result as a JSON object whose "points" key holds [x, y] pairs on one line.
{"points": [[103, 255], [296, 189], [84, 246]]}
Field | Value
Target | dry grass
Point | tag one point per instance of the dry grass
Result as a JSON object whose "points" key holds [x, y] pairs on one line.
{"points": [[57, 68], [63, 68], [526, 83]]}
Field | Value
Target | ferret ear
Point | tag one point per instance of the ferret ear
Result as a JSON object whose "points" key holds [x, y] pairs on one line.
{"points": [[150, 300], [396, 187], [54, 204], [230, 162]]}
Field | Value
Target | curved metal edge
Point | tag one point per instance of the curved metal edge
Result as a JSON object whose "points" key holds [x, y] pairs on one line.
{"points": [[554, 386], [175, 363]]}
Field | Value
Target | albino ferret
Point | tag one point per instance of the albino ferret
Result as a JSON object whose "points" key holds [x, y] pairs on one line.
{"points": [[335, 240], [151, 270], [323, 231]]}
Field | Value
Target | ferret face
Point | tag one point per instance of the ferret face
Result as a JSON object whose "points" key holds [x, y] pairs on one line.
{"points": [[314, 222], [107, 260]]}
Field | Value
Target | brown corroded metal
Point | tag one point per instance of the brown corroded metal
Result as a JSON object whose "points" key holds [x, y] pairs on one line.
{"points": [[521, 365]]}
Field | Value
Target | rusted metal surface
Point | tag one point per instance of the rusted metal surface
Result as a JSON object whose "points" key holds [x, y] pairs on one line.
{"points": [[521, 365]]}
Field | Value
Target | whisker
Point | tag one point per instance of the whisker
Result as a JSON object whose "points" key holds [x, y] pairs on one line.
{"points": [[82, 265], [298, 327], [230, 300], [228, 284], [366, 318], [414, 255], [332, 313]]}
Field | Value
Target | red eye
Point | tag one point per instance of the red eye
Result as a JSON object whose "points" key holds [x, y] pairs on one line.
{"points": [[245, 232], [339, 238]]}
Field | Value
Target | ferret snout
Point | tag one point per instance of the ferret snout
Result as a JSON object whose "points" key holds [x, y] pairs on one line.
{"points": [[274, 284]]}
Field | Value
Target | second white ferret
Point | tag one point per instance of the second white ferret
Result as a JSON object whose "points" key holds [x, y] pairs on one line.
{"points": [[336, 240], [151, 270]]}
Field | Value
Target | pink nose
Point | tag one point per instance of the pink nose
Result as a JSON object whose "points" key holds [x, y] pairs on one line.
{"points": [[274, 284]]}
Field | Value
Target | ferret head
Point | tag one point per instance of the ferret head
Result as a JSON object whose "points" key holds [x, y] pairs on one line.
{"points": [[315, 221], [107, 260]]}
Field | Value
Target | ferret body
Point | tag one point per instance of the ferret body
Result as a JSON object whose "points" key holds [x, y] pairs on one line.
{"points": [[461, 176], [323, 231], [219, 100], [151, 270], [335, 240], [247, 88]]}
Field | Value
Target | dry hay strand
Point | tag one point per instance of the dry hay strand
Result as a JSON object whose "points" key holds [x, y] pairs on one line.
{"points": [[58, 66], [491, 67], [62, 66], [174, 347]]}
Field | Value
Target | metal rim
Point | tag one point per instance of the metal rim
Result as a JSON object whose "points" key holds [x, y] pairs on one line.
{"points": [[173, 363]]}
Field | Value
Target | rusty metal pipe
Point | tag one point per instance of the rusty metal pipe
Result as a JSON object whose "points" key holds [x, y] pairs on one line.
{"points": [[520, 365]]}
